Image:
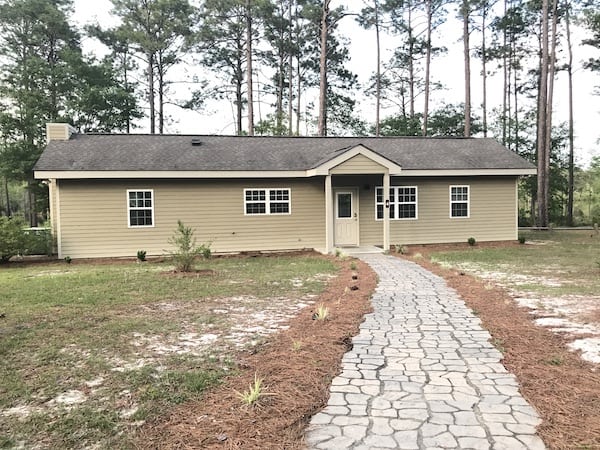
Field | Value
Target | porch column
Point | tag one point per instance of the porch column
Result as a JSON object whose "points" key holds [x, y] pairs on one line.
{"points": [[386, 211], [328, 215]]}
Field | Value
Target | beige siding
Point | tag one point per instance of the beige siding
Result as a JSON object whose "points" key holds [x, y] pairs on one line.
{"points": [[94, 217], [358, 164], [492, 212]]}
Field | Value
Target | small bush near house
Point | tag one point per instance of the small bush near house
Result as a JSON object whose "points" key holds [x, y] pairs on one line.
{"points": [[12, 238], [401, 249], [141, 255], [522, 239], [471, 241], [186, 250]]}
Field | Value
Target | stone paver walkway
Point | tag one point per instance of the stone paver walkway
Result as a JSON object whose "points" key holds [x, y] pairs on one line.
{"points": [[422, 374]]}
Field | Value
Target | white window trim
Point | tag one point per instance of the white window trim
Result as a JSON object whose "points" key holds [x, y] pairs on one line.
{"points": [[129, 208], [455, 201], [416, 203], [268, 201]]}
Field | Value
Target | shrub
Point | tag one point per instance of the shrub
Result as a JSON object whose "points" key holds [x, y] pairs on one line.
{"points": [[141, 255], [12, 238], [38, 241], [521, 239], [68, 259], [186, 250], [471, 241], [401, 249]]}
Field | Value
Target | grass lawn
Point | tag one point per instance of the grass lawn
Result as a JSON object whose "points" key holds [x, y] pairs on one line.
{"points": [[88, 352], [550, 263]]}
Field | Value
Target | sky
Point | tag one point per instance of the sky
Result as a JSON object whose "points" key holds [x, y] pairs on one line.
{"points": [[218, 117]]}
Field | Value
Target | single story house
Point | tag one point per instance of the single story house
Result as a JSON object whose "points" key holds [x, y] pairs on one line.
{"points": [[112, 195]]}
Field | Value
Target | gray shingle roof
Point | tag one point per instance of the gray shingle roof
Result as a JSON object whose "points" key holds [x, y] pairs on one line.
{"points": [[90, 152]]}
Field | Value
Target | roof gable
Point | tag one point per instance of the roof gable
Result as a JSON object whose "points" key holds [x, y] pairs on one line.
{"points": [[354, 153]]}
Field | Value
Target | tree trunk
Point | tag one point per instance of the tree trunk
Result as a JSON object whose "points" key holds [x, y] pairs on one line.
{"points": [[516, 147], [550, 95], [542, 151], [298, 94], [126, 86], [238, 92], [298, 70], [8, 210], [411, 66], [150, 74], [505, 79], [322, 124], [571, 182], [290, 71], [161, 97], [510, 63], [467, 57], [378, 81], [249, 68], [427, 66], [484, 70], [33, 221]]}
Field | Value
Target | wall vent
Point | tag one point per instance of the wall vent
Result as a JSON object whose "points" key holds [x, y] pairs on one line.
{"points": [[196, 142]]}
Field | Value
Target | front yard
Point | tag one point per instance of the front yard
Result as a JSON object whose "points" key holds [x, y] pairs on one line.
{"points": [[555, 275], [89, 352]]}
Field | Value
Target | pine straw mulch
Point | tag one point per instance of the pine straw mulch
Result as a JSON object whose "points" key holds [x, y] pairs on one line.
{"points": [[564, 389], [299, 378]]}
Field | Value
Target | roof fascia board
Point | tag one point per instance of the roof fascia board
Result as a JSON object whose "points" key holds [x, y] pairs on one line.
{"points": [[115, 174], [465, 172], [359, 149], [140, 174]]}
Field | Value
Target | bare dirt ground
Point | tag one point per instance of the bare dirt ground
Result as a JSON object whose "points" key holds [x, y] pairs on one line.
{"points": [[563, 388], [296, 364]]}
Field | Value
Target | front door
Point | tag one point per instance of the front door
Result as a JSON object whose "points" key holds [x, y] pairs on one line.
{"points": [[346, 217]]}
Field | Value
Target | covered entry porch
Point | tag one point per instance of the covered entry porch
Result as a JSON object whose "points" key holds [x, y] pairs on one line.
{"points": [[358, 173]]}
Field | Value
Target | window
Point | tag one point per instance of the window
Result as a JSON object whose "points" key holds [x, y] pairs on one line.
{"points": [[459, 201], [140, 208], [344, 205], [266, 201], [403, 202]]}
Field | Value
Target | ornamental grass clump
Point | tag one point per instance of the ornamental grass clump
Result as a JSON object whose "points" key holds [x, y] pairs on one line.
{"points": [[254, 394], [322, 312]]}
